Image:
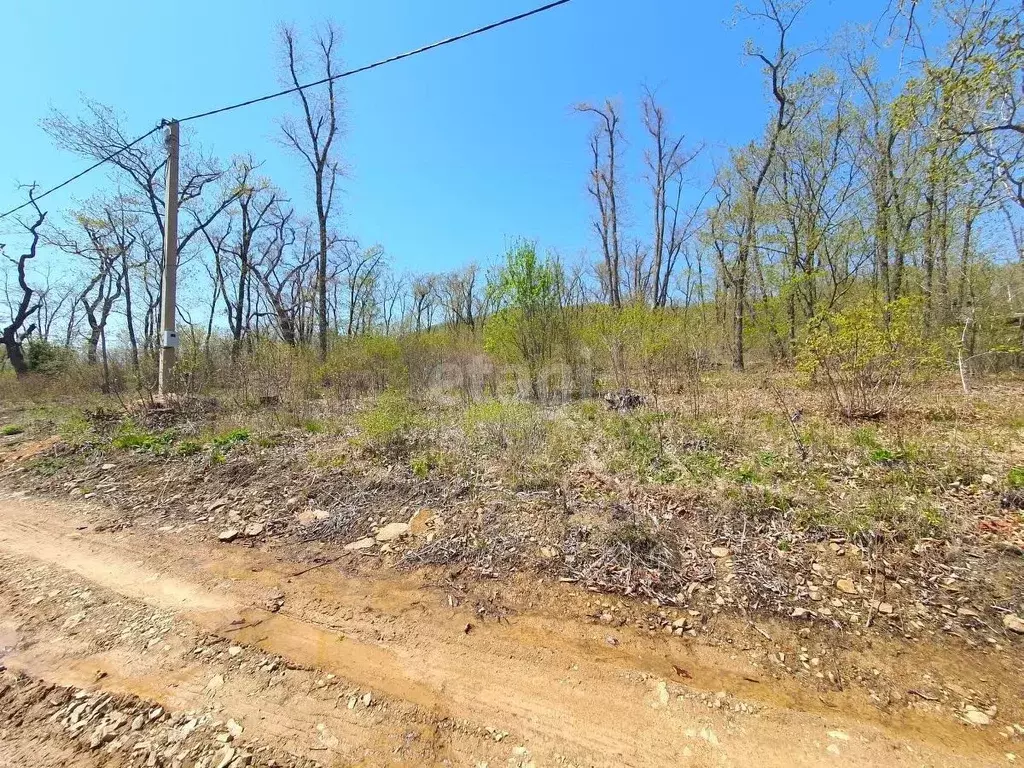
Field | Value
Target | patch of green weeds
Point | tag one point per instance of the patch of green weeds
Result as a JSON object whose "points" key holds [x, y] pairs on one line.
{"points": [[758, 502], [1015, 478], [865, 437], [188, 448], [702, 465], [131, 437], [270, 440], [11, 429], [389, 426], [227, 440], [748, 473], [506, 425], [887, 513], [641, 437], [314, 427], [588, 410], [49, 466], [74, 428]]}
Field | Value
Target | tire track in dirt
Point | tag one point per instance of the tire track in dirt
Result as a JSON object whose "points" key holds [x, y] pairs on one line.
{"points": [[549, 682]]}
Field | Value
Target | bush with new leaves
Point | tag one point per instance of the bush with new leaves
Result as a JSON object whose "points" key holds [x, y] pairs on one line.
{"points": [[525, 293], [871, 355]]}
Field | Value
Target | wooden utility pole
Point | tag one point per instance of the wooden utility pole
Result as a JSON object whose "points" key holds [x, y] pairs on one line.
{"points": [[168, 294]]}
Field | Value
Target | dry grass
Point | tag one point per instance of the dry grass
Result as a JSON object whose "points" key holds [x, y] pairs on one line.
{"points": [[628, 502]]}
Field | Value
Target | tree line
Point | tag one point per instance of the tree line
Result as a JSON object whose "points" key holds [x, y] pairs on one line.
{"points": [[859, 187]]}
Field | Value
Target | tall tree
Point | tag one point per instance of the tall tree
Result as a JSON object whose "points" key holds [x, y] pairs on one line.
{"points": [[604, 187], [316, 142]]}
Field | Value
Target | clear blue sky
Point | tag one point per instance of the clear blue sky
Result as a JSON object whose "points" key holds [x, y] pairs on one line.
{"points": [[451, 153]]}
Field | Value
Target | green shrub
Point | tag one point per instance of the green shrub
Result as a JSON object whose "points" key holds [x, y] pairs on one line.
{"points": [[47, 358], [870, 355], [421, 466], [1015, 478], [11, 429], [388, 427]]}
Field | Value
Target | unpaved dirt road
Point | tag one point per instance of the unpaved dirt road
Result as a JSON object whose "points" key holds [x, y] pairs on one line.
{"points": [[256, 658]]}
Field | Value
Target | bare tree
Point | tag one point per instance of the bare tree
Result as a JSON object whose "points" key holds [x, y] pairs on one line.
{"points": [[285, 276], [19, 328], [459, 293], [604, 188], [361, 276], [666, 161], [424, 294], [315, 142]]}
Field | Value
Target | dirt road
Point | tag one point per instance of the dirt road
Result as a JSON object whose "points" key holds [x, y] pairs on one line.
{"points": [[246, 655]]}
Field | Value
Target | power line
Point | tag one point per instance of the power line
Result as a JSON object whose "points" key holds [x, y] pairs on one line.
{"points": [[382, 62], [296, 89], [93, 167]]}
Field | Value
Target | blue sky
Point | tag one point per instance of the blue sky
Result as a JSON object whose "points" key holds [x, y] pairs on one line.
{"points": [[451, 153]]}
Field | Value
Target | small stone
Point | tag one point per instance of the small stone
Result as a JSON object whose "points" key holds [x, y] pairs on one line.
{"points": [[549, 553], [799, 613], [366, 699], [838, 736], [216, 682], [719, 551], [392, 532], [234, 650], [1014, 623], [138, 722], [355, 546], [107, 467], [310, 516], [975, 716], [234, 729], [187, 728], [846, 586], [222, 757], [254, 529], [228, 534], [987, 479]]}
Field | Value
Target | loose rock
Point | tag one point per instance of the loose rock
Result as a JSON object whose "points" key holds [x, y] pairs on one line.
{"points": [[1014, 623], [355, 546], [392, 532], [846, 586]]}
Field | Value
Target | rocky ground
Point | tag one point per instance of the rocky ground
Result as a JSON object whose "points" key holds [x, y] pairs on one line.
{"points": [[140, 646], [285, 596]]}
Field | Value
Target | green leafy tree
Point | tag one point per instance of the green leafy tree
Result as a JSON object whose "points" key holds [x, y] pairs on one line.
{"points": [[525, 292]]}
